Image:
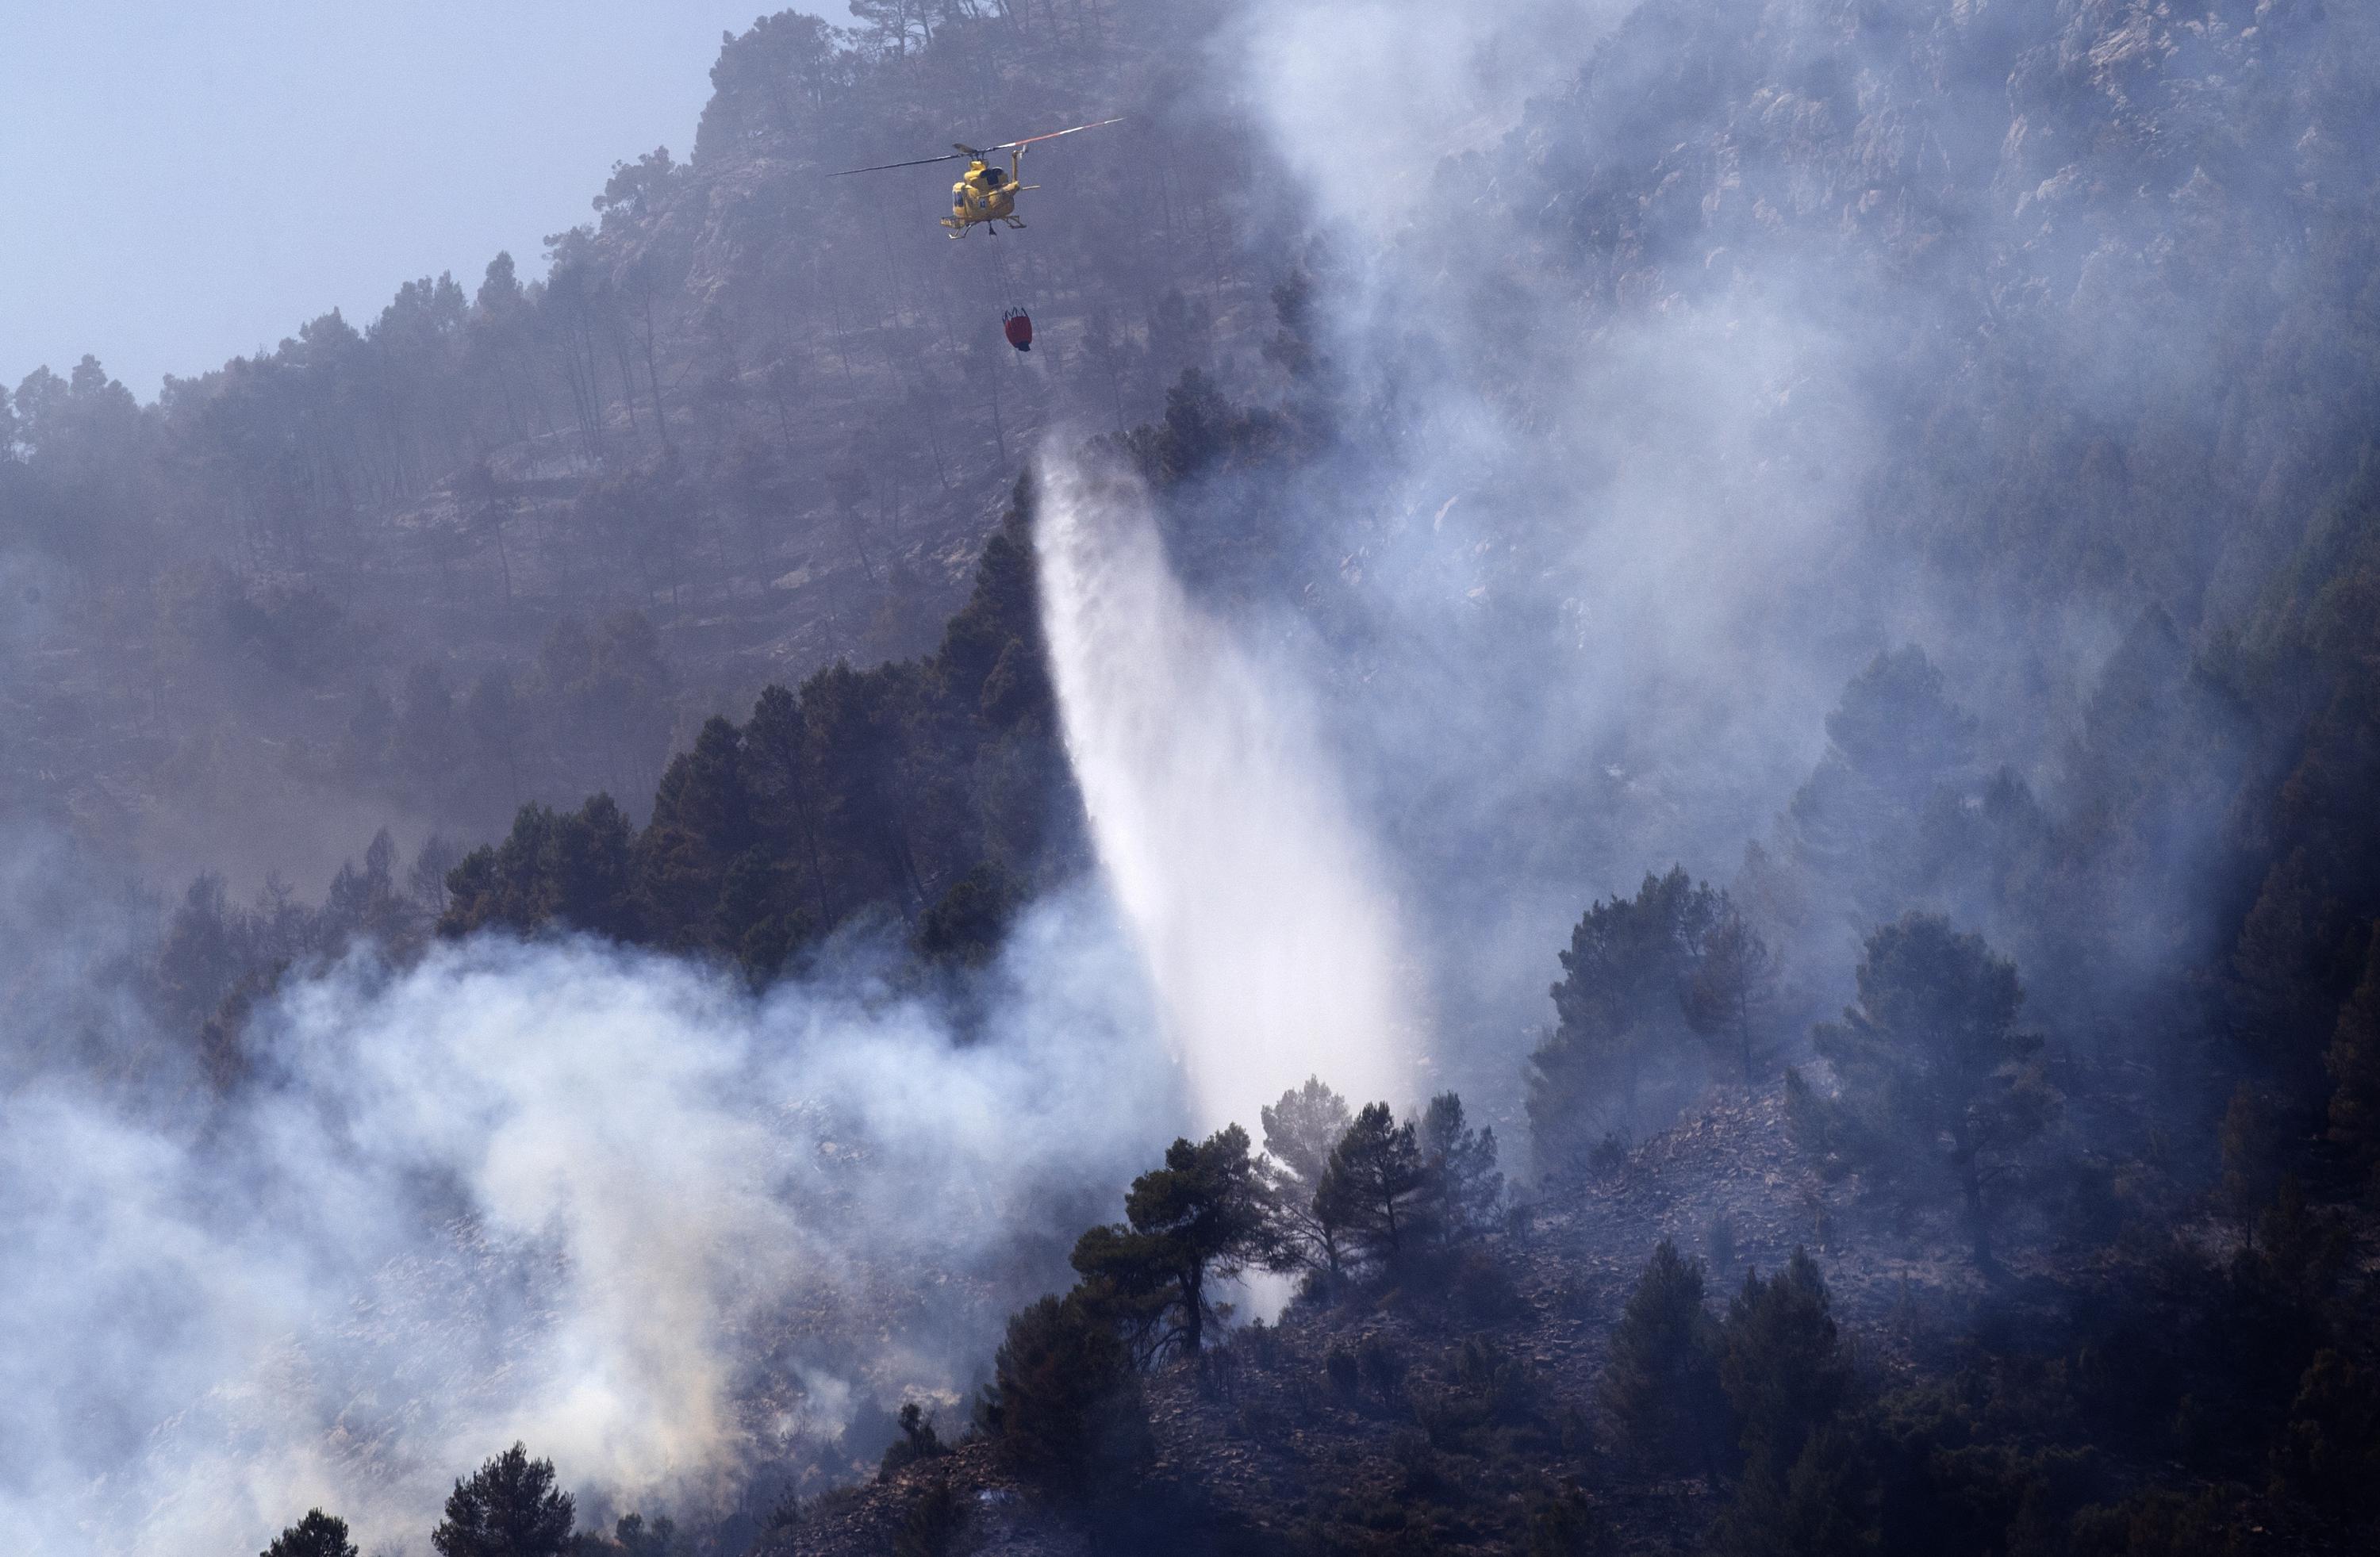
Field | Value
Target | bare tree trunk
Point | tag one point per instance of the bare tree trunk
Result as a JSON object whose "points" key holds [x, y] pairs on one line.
{"points": [[652, 372]]}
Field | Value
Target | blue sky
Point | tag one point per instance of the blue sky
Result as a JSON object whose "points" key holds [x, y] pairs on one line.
{"points": [[182, 183]]}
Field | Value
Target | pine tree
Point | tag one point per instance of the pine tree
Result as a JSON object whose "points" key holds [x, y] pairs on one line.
{"points": [[1897, 726], [204, 952], [1374, 1178], [702, 822], [1202, 1216], [1620, 1004], [1782, 1364], [1065, 1402], [1894, 742], [968, 923], [784, 786], [1662, 1383], [1933, 1071], [2276, 993], [1827, 1506], [1299, 1132], [509, 1508], [2249, 1145], [588, 874], [707, 791], [868, 770], [1733, 985], [317, 1535], [1462, 1189], [2354, 1065], [574, 869]]}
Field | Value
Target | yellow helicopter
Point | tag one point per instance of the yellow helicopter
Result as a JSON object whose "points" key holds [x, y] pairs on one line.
{"points": [[984, 195]]}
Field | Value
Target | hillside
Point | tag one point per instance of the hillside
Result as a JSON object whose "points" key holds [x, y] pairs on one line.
{"points": [[748, 421], [1762, 614]]}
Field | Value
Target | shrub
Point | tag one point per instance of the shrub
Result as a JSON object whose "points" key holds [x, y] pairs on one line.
{"points": [[1065, 1402], [1339, 1367], [2330, 1451], [1567, 1525], [1382, 1368], [1721, 1245], [2159, 1524], [918, 1440], [930, 1526], [634, 1538], [1483, 1290]]}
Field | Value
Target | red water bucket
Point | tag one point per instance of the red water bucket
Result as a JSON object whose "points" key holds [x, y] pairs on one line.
{"points": [[1018, 325]]}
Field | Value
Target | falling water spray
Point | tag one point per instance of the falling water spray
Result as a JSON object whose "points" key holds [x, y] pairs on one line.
{"points": [[1270, 937]]}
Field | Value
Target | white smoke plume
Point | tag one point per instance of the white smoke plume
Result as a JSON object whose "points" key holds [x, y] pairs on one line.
{"points": [[1362, 100], [1272, 937], [612, 1205], [1673, 372], [1587, 560]]}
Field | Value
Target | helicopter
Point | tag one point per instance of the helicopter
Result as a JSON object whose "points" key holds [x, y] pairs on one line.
{"points": [[983, 195]]}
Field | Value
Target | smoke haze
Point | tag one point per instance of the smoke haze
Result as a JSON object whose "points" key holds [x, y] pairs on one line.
{"points": [[1651, 489], [1653, 417], [664, 1230]]}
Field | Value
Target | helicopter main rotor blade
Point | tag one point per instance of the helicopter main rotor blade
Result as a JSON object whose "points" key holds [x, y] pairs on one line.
{"points": [[1031, 140], [966, 150], [915, 161]]}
